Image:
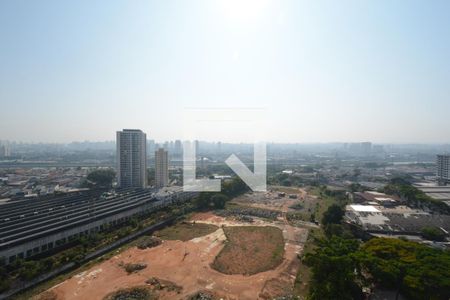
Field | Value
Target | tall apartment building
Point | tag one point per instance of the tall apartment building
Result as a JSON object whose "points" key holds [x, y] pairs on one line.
{"points": [[131, 158], [443, 168], [161, 168]]}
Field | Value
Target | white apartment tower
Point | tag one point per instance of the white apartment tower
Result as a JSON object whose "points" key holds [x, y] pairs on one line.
{"points": [[131, 158], [161, 168], [443, 168]]}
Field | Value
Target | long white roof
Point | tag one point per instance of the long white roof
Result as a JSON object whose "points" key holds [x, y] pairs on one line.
{"points": [[364, 208]]}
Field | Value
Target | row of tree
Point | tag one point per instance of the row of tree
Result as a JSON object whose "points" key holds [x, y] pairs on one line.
{"points": [[414, 196], [217, 200]]}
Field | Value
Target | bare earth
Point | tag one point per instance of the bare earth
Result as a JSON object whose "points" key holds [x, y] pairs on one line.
{"points": [[187, 264]]}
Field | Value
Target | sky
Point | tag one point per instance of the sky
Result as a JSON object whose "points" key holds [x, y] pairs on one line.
{"points": [[282, 71]]}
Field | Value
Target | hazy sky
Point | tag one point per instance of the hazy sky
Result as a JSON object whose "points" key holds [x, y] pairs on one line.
{"points": [[320, 71]]}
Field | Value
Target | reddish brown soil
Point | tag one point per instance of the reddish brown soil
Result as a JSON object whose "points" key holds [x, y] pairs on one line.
{"points": [[187, 264]]}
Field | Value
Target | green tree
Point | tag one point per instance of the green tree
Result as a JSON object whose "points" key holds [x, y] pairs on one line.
{"points": [[333, 215], [418, 271], [219, 200], [433, 233], [101, 178], [333, 266]]}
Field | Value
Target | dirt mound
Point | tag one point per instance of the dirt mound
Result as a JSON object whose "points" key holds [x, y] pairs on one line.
{"points": [[161, 284], [148, 242], [132, 268], [134, 293], [203, 295]]}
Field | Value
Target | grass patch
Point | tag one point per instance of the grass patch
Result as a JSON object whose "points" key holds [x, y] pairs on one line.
{"points": [[302, 280], [250, 250], [325, 201], [185, 231]]}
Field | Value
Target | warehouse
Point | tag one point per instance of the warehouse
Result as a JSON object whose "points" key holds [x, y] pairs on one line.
{"points": [[32, 227]]}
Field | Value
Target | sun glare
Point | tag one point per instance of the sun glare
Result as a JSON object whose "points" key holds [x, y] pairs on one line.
{"points": [[244, 11]]}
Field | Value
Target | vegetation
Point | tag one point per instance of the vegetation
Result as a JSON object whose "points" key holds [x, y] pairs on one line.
{"points": [[185, 231], [341, 266], [132, 268], [418, 271], [148, 242], [414, 196], [135, 293], [327, 198], [333, 215], [240, 211], [433, 234], [211, 201], [161, 284], [415, 270], [101, 178], [230, 189], [250, 250], [333, 267], [203, 295], [78, 248]]}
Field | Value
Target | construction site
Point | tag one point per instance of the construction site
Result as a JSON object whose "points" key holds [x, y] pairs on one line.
{"points": [[206, 255]]}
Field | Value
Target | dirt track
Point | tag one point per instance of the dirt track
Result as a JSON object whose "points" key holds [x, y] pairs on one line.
{"points": [[188, 264]]}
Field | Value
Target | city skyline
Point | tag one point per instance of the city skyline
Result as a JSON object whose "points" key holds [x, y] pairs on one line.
{"points": [[321, 71]]}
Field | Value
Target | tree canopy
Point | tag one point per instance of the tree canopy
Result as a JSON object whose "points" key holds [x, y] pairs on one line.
{"points": [[333, 215], [340, 266], [101, 178]]}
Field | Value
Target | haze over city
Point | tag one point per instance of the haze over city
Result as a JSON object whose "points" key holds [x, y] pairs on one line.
{"points": [[224, 149], [322, 71]]}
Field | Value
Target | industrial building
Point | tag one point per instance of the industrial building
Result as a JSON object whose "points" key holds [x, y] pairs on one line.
{"points": [[375, 198], [131, 158], [437, 192], [394, 221], [31, 227]]}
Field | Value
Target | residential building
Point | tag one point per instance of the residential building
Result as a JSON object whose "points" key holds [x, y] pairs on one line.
{"points": [[131, 158], [443, 168], [161, 168]]}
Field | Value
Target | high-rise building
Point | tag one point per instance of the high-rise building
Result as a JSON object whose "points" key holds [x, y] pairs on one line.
{"points": [[151, 148], [131, 158], [161, 168], [178, 149], [443, 168]]}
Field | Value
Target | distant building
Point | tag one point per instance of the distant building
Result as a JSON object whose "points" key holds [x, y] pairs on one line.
{"points": [[376, 198], [443, 168], [366, 148], [161, 168], [131, 158], [151, 147], [178, 150], [5, 150]]}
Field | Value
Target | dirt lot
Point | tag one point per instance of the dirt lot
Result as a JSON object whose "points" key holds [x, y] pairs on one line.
{"points": [[188, 265], [250, 250]]}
